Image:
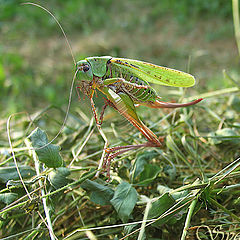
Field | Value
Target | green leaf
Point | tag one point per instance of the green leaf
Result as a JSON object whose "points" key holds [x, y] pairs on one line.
{"points": [[225, 135], [100, 194], [58, 178], [142, 159], [10, 173], [176, 196], [8, 198], [149, 174], [170, 171], [129, 228], [138, 167], [160, 206], [124, 200], [48, 155]]}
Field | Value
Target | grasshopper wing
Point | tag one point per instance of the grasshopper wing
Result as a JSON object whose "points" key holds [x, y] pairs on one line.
{"points": [[154, 73]]}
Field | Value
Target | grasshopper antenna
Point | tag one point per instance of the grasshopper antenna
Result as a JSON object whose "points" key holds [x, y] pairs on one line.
{"points": [[58, 23], [74, 77]]}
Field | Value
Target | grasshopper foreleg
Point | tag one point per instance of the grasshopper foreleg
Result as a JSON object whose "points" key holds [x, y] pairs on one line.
{"points": [[106, 103], [94, 112]]}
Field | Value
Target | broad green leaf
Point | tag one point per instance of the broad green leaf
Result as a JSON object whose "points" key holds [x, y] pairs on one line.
{"points": [[177, 195], [149, 174], [100, 194], [10, 173], [8, 198], [58, 178], [160, 206], [142, 159], [138, 167], [48, 155], [124, 200]]}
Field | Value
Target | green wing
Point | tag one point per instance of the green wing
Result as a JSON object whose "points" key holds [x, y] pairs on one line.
{"points": [[154, 73]]}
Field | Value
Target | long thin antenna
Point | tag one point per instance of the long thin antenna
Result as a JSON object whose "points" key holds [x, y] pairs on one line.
{"points": [[74, 77], [58, 23], [66, 115]]}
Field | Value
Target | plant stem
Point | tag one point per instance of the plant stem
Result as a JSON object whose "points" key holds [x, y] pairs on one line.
{"points": [[141, 236], [87, 176], [213, 93], [44, 200], [214, 202], [236, 23], [188, 219]]}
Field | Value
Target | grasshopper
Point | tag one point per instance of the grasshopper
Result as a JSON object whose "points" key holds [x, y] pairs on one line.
{"points": [[125, 83]]}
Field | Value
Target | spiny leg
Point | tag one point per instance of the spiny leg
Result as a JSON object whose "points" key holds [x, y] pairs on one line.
{"points": [[111, 154], [101, 132], [161, 104], [100, 121], [86, 89], [106, 103], [125, 106], [94, 111]]}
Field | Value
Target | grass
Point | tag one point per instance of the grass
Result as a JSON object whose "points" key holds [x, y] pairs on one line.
{"points": [[189, 187]]}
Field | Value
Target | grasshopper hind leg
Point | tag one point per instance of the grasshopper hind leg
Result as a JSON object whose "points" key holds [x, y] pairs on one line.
{"points": [[123, 103], [113, 152], [125, 106]]}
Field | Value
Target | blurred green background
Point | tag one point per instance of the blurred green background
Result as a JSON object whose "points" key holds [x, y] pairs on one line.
{"points": [[36, 66]]}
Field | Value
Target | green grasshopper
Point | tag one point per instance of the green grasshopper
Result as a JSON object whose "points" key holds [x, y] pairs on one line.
{"points": [[125, 83]]}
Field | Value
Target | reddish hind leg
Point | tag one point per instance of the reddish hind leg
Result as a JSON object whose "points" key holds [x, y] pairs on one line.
{"points": [[113, 152], [126, 108]]}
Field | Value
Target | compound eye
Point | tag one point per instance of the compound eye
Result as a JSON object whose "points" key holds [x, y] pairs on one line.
{"points": [[85, 68]]}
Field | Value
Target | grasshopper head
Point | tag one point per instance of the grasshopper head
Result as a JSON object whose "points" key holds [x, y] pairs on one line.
{"points": [[84, 71]]}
